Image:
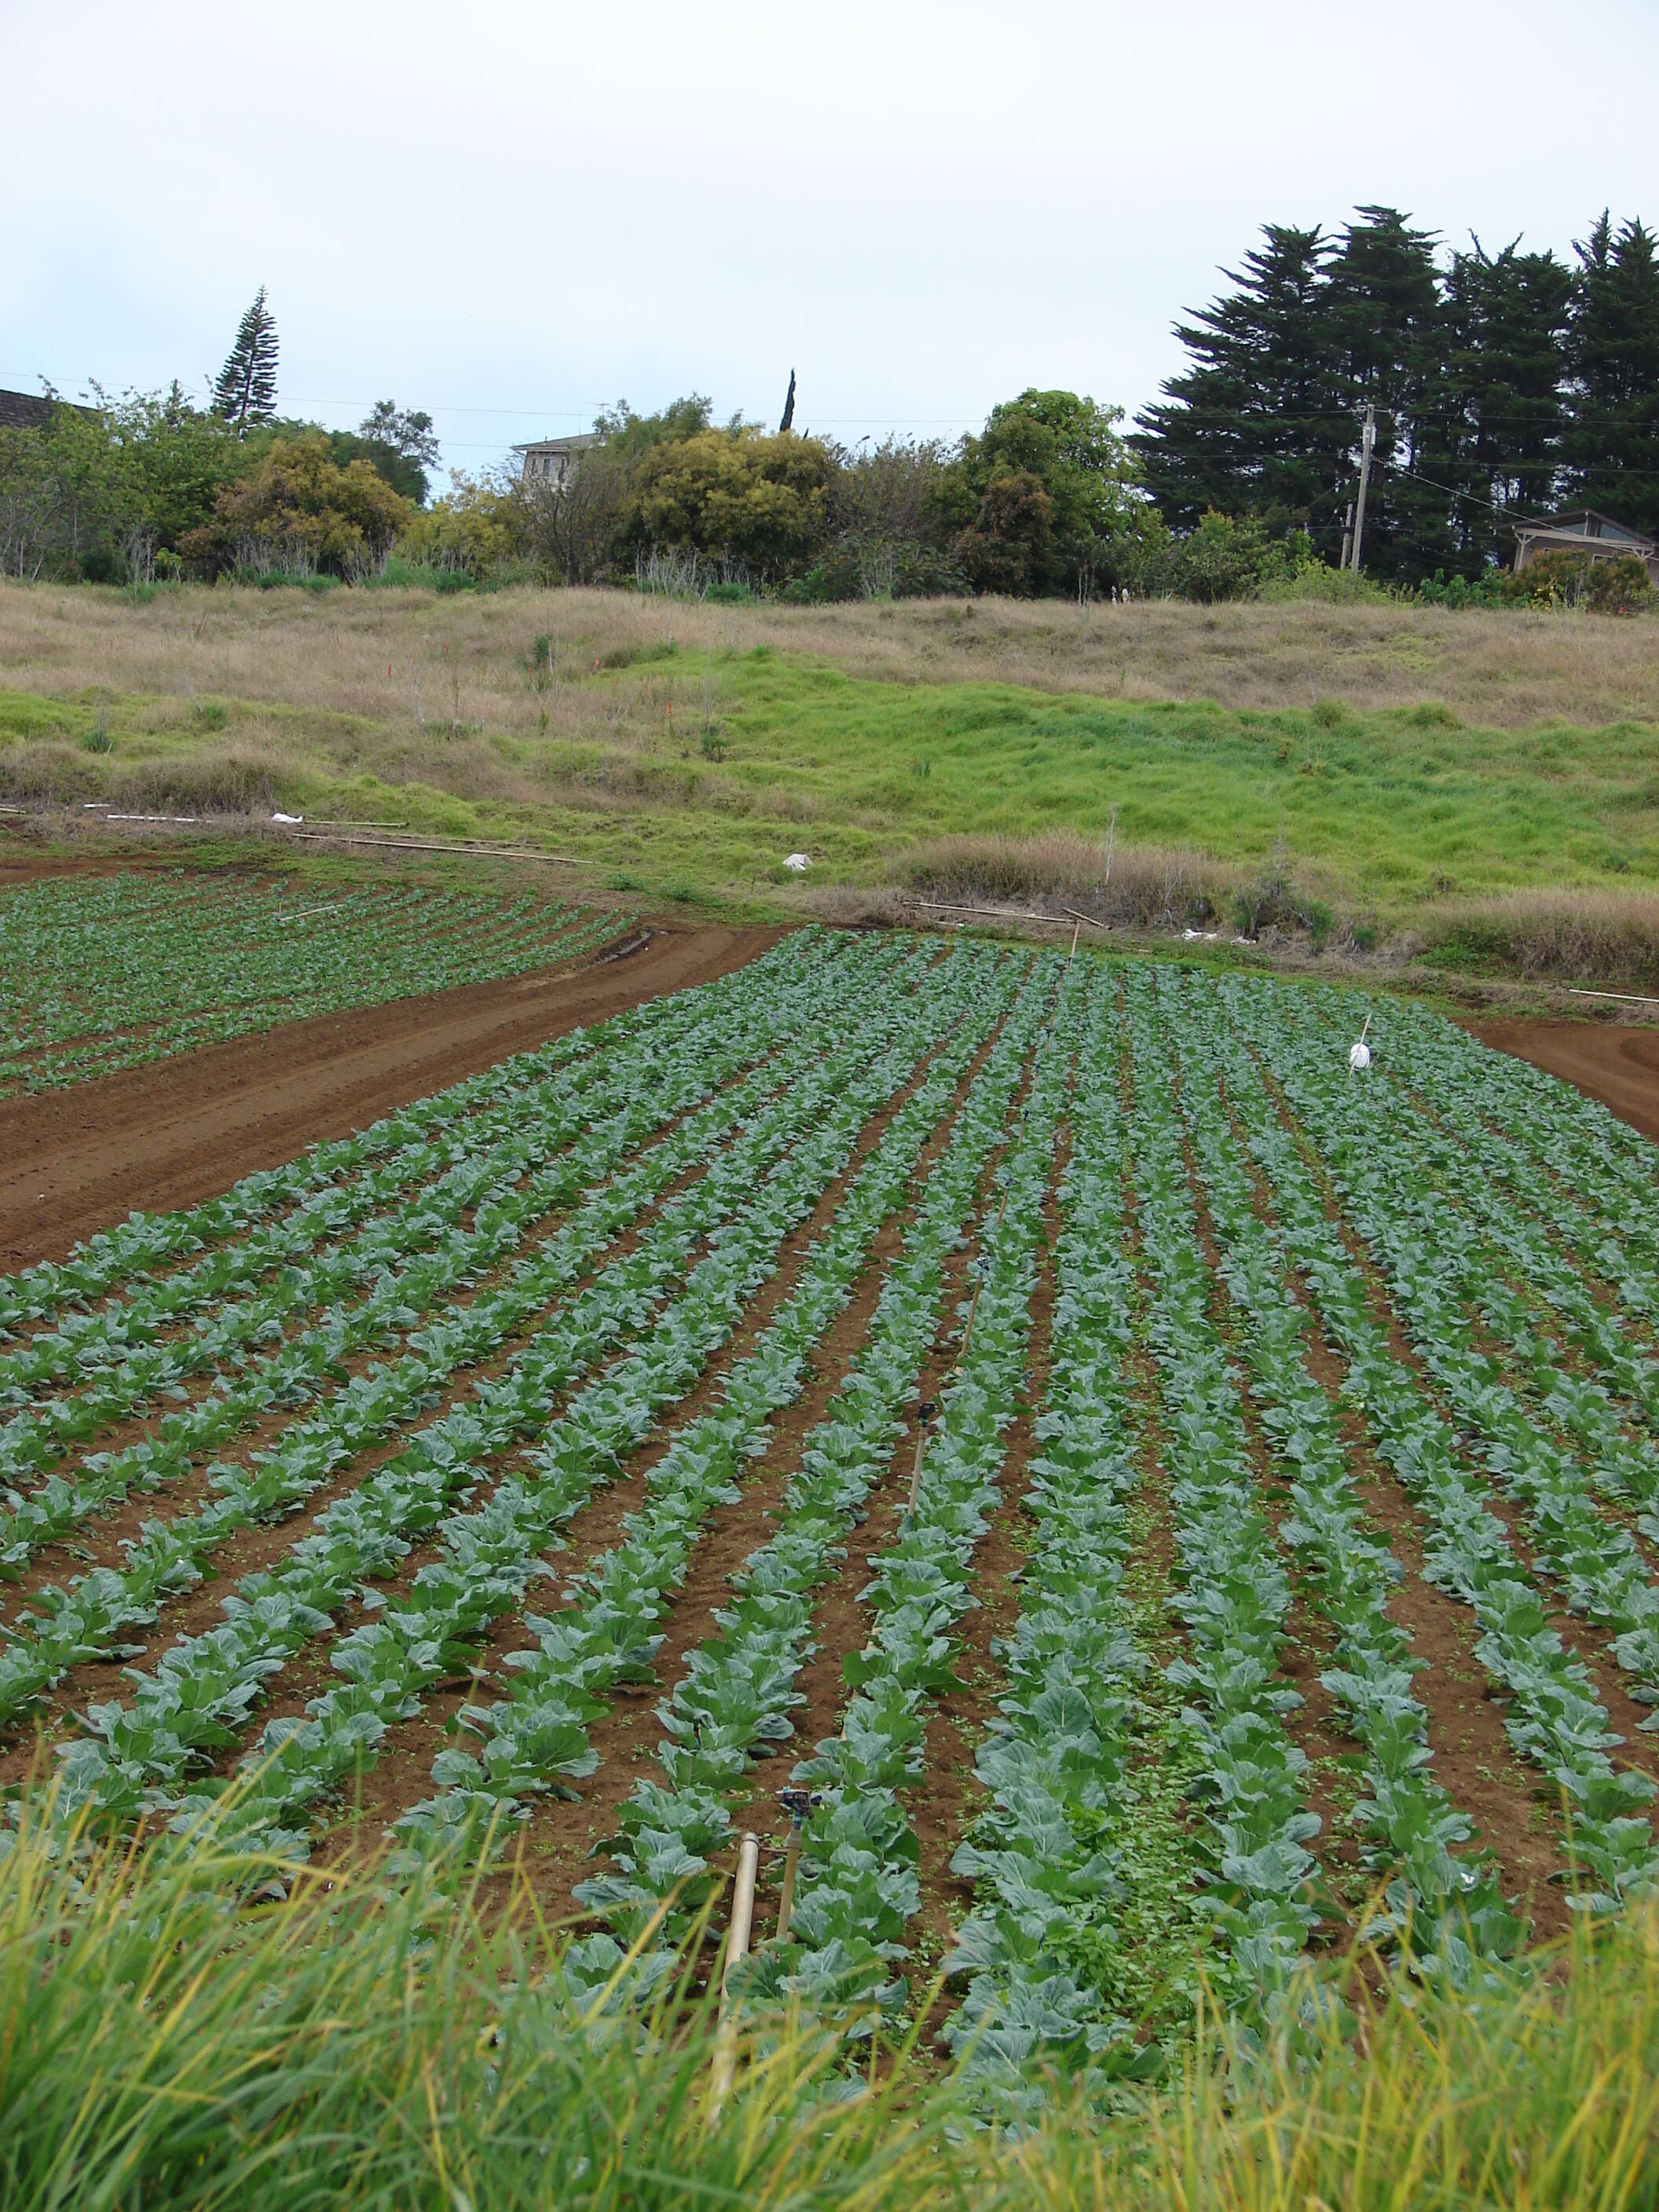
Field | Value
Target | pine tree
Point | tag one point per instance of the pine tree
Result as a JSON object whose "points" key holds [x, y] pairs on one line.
{"points": [[1613, 360], [1251, 429], [246, 391]]}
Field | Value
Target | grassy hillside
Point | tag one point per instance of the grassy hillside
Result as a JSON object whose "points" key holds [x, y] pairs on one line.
{"points": [[1402, 767]]}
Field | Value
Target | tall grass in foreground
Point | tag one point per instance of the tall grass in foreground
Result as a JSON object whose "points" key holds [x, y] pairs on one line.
{"points": [[160, 2044]]}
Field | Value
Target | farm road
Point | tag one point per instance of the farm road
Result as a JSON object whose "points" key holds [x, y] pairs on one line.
{"points": [[168, 1135]]}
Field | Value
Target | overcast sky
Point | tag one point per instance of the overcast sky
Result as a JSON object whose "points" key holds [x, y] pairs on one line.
{"points": [[512, 214]]}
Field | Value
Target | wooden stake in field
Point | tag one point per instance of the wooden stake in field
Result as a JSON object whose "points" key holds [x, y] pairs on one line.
{"points": [[737, 1949]]}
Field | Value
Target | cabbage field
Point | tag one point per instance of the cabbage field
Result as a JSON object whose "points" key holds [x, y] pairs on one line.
{"points": [[1173, 1505], [98, 973]]}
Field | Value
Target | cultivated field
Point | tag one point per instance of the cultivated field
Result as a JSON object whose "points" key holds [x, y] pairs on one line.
{"points": [[1175, 1504], [104, 972], [1390, 779]]}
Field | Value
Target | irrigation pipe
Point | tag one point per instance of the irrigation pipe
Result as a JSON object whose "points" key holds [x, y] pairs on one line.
{"points": [[429, 845], [737, 1949], [996, 913], [1629, 997]]}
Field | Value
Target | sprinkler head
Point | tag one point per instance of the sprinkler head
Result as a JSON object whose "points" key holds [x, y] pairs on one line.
{"points": [[798, 1803], [926, 1409]]}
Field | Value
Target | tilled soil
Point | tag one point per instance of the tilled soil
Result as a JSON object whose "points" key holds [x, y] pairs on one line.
{"points": [[164, 1136], [1610, 1062]]}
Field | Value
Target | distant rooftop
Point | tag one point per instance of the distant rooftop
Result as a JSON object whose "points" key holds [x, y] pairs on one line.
{"points": [[25, 410], [577, 444]]}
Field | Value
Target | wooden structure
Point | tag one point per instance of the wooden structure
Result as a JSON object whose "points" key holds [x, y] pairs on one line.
{"points": [[1592, 536], [548, 460]]}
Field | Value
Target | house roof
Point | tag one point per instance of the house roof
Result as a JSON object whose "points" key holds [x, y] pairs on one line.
{"points": [[25, 410], [575, 445], [1577, 524]]}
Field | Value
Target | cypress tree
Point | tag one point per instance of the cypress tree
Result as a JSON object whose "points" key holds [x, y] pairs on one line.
{"points": [[246, 391], [1506, 320], [1251, 428], [1613, 361], [1383, 306]]}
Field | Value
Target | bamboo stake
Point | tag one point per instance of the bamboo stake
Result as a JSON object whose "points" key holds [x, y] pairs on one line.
{"points": [[1075, 928], [737, 1949]]}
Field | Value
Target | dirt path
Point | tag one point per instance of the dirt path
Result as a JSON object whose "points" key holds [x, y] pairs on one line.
{"points": [[156, 1138], [1607, 1061]]}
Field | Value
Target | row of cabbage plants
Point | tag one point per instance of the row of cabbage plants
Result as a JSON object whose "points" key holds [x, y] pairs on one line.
{"points": [[357, 1410], [1051, 1854], [731, 1705], [142, 1754], [1555, 1717], [1233, 1592], [147, 1244], [99, 974], [859, 1888]]}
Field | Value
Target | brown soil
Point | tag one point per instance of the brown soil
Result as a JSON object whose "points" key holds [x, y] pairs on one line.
{"points": [[1610, 1062], [156, 1138]]}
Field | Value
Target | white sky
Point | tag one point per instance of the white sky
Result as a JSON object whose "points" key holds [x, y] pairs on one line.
{"points": [[512, 214]]}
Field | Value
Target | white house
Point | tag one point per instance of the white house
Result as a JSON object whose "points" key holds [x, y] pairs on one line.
{"points": [[547, 460]]}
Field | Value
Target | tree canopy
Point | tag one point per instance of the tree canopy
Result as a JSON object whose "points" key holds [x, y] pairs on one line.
{"points": [[1503, 382]]}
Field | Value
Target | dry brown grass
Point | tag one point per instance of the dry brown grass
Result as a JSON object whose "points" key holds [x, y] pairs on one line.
{"points": [[439, 662], [1129, 887], [1587, 935]]}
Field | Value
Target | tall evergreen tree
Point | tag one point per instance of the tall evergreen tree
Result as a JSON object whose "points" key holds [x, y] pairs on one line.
{"points": [[1613, 361], [246, 391], [1252, 428], [1502, 416], [1384, 311]]}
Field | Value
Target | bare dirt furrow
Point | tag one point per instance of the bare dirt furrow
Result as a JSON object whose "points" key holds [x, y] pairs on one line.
{"points": [[165, 1136]]}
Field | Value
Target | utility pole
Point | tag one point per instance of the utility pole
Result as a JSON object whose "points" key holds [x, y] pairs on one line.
{"points": [[1365, 481]]}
